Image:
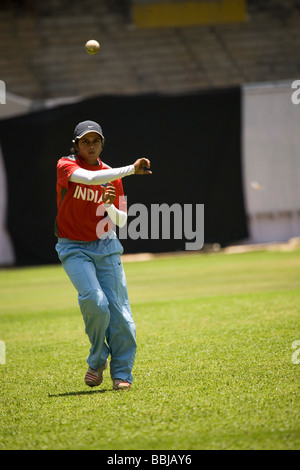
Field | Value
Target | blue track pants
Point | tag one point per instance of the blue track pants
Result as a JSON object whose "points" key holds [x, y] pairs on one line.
{"points": [[96, 271]]}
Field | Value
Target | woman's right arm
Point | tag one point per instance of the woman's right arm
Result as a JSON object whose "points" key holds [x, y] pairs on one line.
{"points": [[80, 175]]}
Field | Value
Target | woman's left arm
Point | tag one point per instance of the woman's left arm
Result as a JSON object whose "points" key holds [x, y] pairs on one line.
{"points": [[117, 216]]}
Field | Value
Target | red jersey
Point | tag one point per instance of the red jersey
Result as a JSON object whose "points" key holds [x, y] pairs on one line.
{"points": [[77, 204]]}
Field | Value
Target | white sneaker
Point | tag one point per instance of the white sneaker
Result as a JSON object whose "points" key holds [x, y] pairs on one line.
{"points": [[119, 384], [94, 377]]}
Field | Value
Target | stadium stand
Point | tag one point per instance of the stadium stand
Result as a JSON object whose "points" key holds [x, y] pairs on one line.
{"points": [[42, 49]]}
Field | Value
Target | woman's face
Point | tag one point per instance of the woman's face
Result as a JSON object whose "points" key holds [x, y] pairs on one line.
{"points": [[90, 147]]}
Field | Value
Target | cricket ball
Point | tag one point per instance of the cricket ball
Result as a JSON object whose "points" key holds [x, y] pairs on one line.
{"points": [[92, 47]]}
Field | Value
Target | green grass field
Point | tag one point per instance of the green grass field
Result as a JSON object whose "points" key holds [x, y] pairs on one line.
{"points": [[214, 366]]}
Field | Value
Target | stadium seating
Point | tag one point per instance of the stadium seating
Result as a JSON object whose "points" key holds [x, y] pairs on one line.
{"points": [[42, 50]]}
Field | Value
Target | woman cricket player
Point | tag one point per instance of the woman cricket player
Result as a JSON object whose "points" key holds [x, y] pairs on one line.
{"points": [[90, 252]]}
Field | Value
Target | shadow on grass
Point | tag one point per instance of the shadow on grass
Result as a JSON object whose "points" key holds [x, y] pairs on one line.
{"points": [[81, 392]]}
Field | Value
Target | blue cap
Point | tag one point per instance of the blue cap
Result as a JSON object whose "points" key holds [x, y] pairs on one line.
{"points": [[85, 127]]}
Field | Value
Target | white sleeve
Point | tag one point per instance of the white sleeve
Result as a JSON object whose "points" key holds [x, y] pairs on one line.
{"points": [[100, 176], [118, 217]]}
